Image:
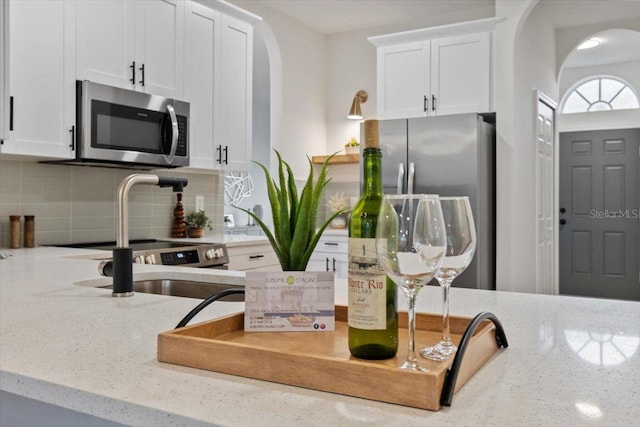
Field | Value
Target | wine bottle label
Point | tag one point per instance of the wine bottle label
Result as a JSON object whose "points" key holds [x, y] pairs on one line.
{"points": [[367, 286]]}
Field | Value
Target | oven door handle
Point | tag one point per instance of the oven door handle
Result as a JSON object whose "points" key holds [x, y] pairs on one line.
{"points": [[174, 135]]}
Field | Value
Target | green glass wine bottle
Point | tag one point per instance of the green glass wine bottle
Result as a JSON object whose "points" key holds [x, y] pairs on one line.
{"points": [[373, 310]]}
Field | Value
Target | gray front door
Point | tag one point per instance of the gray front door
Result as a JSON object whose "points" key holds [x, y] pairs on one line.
{"points": [[599, 213]]}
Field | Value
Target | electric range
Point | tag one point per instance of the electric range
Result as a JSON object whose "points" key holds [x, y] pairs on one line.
{"points": [[206, 255]]}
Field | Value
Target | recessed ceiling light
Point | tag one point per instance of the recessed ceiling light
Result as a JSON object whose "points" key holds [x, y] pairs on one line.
{"points": [[588, 44]]}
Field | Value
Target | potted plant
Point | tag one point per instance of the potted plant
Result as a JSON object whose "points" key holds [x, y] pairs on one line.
{"points": [[294, 215], [352, 147], [197, 221]]}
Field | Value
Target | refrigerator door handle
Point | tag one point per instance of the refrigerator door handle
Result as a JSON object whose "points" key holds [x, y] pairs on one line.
{"points": [[412, 173], [400, 178]]}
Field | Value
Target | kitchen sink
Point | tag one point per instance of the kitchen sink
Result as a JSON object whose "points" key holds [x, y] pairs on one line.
{"points": [[183, 288]]}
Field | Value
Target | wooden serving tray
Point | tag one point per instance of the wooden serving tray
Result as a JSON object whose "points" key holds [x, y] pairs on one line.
{"points": [[321, 360]]}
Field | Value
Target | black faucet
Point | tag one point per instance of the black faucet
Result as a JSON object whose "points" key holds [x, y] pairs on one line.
{"points": [[122, 253]]}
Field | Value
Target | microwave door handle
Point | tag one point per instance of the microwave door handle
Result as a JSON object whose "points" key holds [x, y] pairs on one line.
{"points": [[411, 177], [400, 178], [174, 135]]}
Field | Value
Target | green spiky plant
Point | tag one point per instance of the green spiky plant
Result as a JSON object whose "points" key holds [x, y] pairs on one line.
{"points": [[294, 215]]}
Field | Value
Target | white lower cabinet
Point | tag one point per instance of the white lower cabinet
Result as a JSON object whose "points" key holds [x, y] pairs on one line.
{"points": [[257, 256], [331, 254]]}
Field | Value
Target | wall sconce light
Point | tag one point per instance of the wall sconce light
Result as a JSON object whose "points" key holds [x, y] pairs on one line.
{"points": [[355, 113]]}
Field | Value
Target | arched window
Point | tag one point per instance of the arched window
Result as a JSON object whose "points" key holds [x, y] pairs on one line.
{"points": [[600, 94]]}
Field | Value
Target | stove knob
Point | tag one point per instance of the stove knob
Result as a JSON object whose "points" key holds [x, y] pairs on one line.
{"points": [[138, 260], [150, 259], [211, 254]]}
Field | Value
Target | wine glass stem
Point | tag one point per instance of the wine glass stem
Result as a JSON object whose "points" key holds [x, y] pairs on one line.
{"points": [[446, 337], [411, 354]]}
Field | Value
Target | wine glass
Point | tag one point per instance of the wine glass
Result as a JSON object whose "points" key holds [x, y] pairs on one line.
{"points": [[411, 243], [461, 245]]}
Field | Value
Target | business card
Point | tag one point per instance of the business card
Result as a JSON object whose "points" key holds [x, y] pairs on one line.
{"points": [[297, 301]]}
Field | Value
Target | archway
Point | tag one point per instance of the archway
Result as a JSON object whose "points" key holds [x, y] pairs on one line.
{"points": [[598, 168], [266, 115]]}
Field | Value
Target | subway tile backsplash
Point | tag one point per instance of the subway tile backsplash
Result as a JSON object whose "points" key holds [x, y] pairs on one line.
{"points": [[74, 204]]}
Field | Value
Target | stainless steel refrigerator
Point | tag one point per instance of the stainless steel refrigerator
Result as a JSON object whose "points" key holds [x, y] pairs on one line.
{"points": [[450, 155]]}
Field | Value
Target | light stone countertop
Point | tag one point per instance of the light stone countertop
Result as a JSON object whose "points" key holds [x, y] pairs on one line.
{"points": [[570, 361]]}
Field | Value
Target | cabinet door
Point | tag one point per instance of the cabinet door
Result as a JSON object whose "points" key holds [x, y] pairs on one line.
{"points": [[403, 80], [236, 65], [160, 47], [460, 74], [202, 83], [342, 267], [253, 257], [105, 42], [4, 71], [319, 262], [41, 78]]}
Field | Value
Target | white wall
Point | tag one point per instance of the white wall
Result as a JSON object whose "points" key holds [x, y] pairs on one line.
{"points": [[534, 69], [569, 38], [301, 128], [628, 71]]}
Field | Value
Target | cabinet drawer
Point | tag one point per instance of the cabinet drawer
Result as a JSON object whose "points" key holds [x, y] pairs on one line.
{"points": [[252, 257], [332, 245]]}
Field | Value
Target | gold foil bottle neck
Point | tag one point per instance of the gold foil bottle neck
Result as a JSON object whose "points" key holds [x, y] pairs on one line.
{"points": [[371, 136]]}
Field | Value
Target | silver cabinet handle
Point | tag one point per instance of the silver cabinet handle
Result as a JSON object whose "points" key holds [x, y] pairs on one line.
{"points": [[400, 178], [174, 135], [412, 173]]}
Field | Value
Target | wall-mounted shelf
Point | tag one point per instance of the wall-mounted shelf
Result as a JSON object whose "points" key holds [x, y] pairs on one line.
{"points": [[338, 159]]}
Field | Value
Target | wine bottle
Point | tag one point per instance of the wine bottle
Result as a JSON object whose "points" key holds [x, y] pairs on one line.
{"points": [[373, 310]]}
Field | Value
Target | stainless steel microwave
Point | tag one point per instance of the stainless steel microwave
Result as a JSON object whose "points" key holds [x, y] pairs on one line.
{"points": [[127, 128]]}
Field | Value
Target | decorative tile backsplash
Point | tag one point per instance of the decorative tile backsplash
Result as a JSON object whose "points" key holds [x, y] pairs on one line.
{"points": [[75, 204]]}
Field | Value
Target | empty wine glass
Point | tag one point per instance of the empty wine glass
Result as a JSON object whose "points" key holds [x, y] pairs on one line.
{"points": [[411, 243], [461, 245]]}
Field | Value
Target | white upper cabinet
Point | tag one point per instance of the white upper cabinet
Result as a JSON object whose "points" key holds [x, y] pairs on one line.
{"points": [[236, 67], [421, 73], [203, 83], [219, 70], [160, 47], [4, 72], [461, 74], [403, 82], [40, 85], [132, 44], [106, 30]]}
